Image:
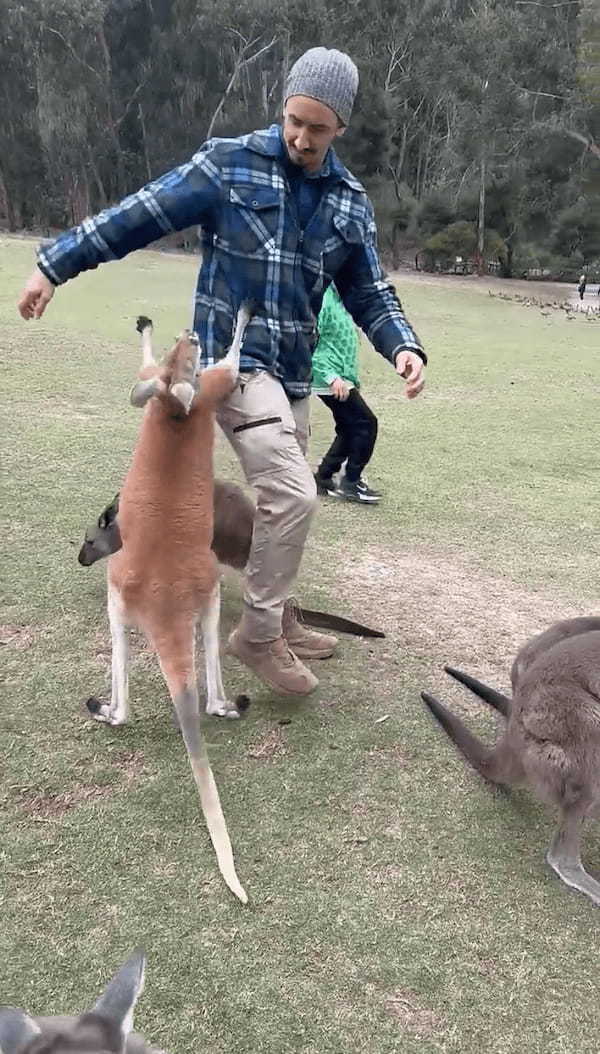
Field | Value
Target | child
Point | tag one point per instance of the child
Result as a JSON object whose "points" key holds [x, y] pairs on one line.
{"points": [[335, 381]]}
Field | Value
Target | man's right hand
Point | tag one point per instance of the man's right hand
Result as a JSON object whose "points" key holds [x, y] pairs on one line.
{"points": [[339, 389], [37, 294]]}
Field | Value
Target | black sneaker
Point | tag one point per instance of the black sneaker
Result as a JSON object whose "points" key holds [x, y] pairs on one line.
{"points": [[364, 486], [325, 484], [358, 491]]}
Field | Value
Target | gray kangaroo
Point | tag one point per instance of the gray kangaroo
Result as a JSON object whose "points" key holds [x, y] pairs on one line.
{"points": [[551, 743], [105, 1029], [232, 538]]}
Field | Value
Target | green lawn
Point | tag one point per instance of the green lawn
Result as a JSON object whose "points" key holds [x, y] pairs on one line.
{"points": [[395, 904]]}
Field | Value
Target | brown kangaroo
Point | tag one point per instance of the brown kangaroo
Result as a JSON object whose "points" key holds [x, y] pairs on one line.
{"points": [[106, 1029], [552, 738], [165, 578]]}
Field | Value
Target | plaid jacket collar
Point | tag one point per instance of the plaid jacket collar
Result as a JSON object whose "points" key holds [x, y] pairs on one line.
{"points": [[269, 142]]}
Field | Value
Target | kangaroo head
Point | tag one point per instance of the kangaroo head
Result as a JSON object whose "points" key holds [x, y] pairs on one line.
{"points": [[102, 1030], [175, 381], [103, 538]]}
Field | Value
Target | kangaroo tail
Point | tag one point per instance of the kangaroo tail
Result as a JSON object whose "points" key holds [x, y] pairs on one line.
{"points": [[322, 620], [485, 761], [489, 695]]}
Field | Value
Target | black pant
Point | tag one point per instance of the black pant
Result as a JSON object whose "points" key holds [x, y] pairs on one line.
{"points": [[355, 435]]}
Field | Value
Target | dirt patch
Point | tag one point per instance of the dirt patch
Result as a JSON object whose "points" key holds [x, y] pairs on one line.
{"points": [[17, 637], [48, 806], [270, 746], [440, 608], [413, 1018], [388, 753], [132, 765]]}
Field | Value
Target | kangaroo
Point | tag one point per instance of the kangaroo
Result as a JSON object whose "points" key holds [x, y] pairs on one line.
{"points": [[551, 743], [165, 578], [105, 1029], [232, 538]]}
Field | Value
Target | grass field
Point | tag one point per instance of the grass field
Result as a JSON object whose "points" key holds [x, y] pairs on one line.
{"points": [[396, 905]]}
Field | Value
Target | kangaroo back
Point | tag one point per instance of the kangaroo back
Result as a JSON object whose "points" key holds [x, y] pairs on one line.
{"points": [[542, 642]]}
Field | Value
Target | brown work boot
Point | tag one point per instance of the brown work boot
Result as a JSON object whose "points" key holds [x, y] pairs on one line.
{"points": [[304, 642], [273, 663]]}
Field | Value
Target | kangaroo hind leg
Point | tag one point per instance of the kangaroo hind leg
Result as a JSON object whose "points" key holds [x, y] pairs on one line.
{"points": [[117, 711], [564, 854], [216, 700]]}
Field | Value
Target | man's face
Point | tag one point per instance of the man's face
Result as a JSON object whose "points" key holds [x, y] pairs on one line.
{"points": [[309, 128]]}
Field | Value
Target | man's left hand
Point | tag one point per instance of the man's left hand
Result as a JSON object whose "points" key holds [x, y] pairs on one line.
{"points": [[410, 366]]}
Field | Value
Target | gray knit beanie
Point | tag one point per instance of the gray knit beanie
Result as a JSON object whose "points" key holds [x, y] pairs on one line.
{"points": [[327, 75]]}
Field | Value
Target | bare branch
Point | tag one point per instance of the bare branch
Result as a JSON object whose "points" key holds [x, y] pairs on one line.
{"points": [[240, 63], [74, 53], [589, 144], [546, 94], [536, 3], [131, 101]]}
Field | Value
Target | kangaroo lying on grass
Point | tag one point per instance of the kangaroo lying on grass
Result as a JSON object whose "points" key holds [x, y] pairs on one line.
{"points": [[165, 578], [106, 1029], [552, 739], [232, 538]]}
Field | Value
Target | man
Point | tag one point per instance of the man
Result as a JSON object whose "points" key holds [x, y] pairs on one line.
{"points": [[582, 285], [281, 218]]}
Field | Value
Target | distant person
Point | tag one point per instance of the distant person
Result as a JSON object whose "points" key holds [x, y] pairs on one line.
{"points": [[335, 381], [281, 218], [582, 285]]}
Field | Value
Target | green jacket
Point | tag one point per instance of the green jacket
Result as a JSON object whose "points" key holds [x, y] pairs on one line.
{"points": [[336, 353]]}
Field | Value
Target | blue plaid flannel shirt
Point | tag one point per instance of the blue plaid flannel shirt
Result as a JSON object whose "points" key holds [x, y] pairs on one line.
{"points": [[254, 248]]}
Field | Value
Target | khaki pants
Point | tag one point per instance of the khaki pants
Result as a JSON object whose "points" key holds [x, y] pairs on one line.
{"points": [[270, 436]]}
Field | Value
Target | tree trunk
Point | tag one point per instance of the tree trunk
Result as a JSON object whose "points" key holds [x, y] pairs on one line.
{"points": [[481, 221], [6, 204], [506, 262], [102, 195], [418, 176], [285, 61], [79, 198], [401, 158], [110, 118], [145, 142]]}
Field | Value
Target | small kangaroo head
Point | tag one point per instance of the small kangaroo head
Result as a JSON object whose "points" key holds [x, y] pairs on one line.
{"points": [[103, 538], [175, 380], [103, 1030]]}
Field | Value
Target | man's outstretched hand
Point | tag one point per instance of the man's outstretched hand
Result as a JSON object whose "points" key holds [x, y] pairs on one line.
{"points": [[410, 366], [36, 295]]}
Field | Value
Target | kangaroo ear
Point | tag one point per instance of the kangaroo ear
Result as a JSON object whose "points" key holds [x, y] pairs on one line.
{"points": [[142, 391], [16, 1030], [118, 1000], [109, 514]]}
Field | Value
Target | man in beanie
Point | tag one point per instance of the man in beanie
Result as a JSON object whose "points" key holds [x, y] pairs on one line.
{"points": [[281, 218]]}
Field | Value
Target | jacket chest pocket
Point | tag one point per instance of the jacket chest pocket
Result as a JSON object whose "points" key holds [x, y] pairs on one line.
{"points": [[347, 234], [251, 220]]}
